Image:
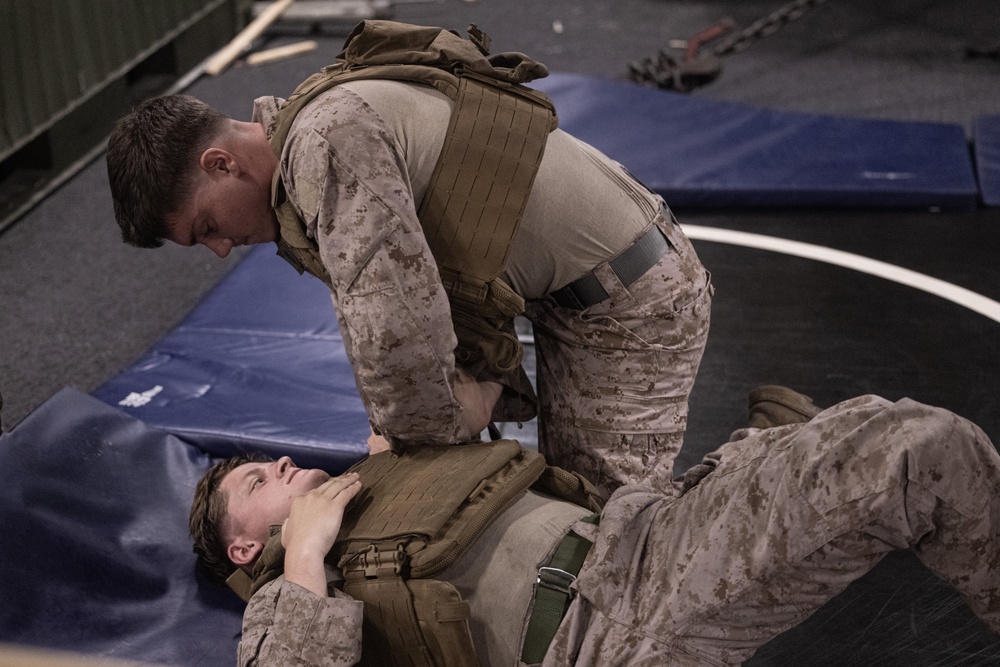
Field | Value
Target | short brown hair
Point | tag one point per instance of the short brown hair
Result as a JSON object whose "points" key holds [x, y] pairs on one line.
{"points": [[151, 157], [208, 514]]}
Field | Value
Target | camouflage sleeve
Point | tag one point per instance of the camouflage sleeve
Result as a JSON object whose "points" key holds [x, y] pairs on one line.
{"points": [[285, 624], [345, 174]]}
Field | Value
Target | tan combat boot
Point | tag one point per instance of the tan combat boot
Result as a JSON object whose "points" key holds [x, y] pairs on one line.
{"points": [[772, 405]]}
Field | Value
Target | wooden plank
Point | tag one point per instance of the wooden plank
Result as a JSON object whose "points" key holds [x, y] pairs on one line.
{"points": [[281, 52], [221, 60]]}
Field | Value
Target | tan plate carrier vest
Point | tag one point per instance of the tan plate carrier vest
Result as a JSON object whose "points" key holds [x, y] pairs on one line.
{"points": [[480, 185], [417, 513]]}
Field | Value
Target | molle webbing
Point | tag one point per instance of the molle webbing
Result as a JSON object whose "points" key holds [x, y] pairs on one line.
{"points": [[435, 500], [482, 179], [472, 209], [421, 510]]}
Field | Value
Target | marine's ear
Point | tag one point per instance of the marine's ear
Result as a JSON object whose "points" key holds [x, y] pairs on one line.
{"points": [[244, 552], [218, 159]]}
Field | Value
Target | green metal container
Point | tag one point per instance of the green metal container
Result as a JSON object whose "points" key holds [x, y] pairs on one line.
{"points": [[69, 68]]}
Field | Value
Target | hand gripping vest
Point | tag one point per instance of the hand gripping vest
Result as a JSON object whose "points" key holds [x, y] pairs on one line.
{"points": [[480, 185], [417, 513]]}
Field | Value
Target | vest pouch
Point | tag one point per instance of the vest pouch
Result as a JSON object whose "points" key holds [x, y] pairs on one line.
{"points": [[444, 620], [392, 635], [488, 348], [483, 315], [412, 623], [487, 343]]}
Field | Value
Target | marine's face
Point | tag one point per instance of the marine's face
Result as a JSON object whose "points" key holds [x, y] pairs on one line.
{"points": [[228, 208], [260, 495]]}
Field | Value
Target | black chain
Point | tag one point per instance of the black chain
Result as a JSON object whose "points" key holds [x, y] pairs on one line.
{"points": [[683, 74], [766, 26]]}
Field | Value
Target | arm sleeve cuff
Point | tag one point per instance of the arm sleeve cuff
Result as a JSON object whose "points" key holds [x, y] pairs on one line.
{"points": [[305, 629]]}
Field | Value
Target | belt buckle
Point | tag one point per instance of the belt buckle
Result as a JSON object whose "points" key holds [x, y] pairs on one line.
{"points": [[565, 297], [555, 579]]}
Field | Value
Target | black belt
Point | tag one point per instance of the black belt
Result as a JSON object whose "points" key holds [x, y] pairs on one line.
{"points": [[552, 593], [629, 266]]}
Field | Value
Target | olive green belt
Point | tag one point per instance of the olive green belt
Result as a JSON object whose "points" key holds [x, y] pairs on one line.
{"points": [[553, 593]]}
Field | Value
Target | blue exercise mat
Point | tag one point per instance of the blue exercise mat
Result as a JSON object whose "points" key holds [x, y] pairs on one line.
{"points": [[986, 139], [704, 153], [96, 556], [258, 365]]}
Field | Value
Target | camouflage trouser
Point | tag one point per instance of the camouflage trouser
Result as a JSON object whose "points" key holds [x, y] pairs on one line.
{"points": [[614, 379], [790, 517]]}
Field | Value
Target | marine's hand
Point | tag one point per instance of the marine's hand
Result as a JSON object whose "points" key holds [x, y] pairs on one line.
{"points": [[311, 528], [377, 443], [315, 517], [477, 399]]}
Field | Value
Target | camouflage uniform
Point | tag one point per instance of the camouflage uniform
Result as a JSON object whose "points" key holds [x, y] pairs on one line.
{"points": [[787, 520], [613, 379], [790, 517]]}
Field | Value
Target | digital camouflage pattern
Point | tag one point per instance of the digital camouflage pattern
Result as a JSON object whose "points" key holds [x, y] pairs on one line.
{"points": [[614, 378], [285, 624], [787, 520]]}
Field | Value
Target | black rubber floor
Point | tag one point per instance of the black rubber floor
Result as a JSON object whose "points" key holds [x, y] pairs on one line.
{"points": [[832, 333]]}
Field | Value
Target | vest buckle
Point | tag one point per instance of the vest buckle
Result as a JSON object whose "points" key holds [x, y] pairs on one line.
{"points": [[479, 38], [373, 563]]}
